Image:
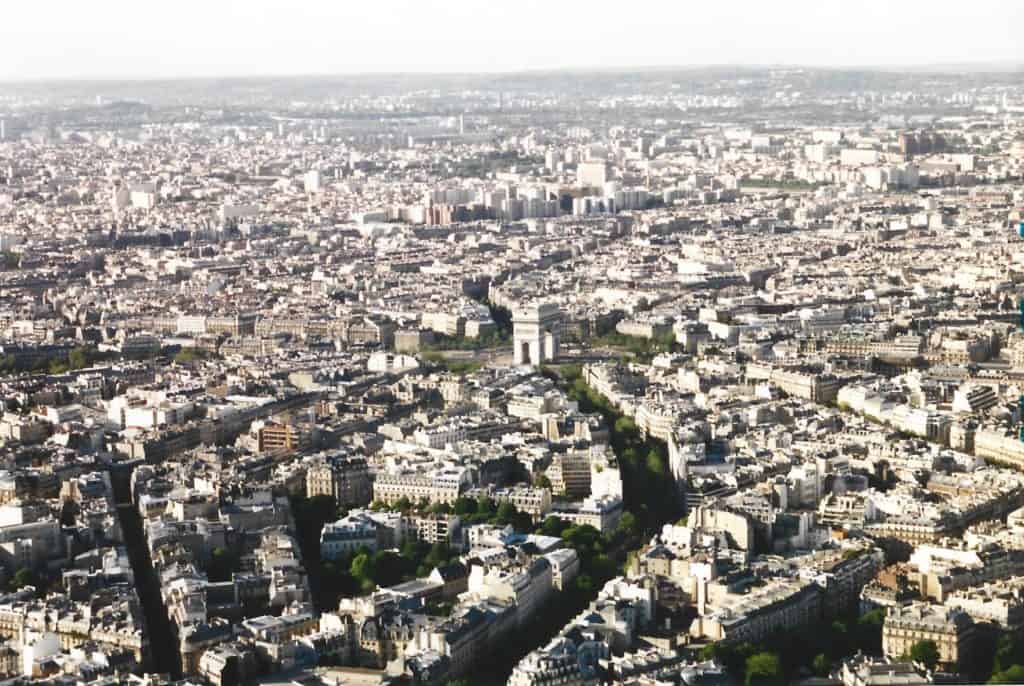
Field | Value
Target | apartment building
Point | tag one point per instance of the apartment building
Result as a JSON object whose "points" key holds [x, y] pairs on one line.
{"points": [[952, 631], [346, 479]]}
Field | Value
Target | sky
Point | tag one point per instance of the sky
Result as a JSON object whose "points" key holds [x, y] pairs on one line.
{"points": [[109, 39]]}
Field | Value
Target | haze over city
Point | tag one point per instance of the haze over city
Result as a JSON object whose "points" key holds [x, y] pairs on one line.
{"points": [[117, 39]]}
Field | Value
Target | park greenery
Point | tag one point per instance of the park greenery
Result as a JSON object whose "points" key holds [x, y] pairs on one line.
{"points": [[189, 355], [459, 367], [58, 363], [648, 487], [482, 510], [640, 349], [490, 340], [995, 659], [1007, 661], [781, 660]]}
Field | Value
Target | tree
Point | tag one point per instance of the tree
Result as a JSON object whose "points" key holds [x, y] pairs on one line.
{"points": [[1012, 675], [869, 632], [655, 463], [553, 526], [388, 568], [438, 556], [362, 568], [222, 563], [186, 355], [464, 506], [485, 506], [763, 669], [602, 567], [925, 652], [628, 526], [542, 481], [24, 577], [1009, 652], [439, 508], [840, 640], [582, 538], [507, 513], [821, 665], [733, 657], [583, 585], [625, 425], [79, 358]]}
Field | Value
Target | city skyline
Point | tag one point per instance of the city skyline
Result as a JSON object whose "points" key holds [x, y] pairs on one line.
{"points": [[450, 344]]}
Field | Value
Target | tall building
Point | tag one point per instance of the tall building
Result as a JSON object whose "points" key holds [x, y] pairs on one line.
{"points": [[313, 181], [593, 173]]}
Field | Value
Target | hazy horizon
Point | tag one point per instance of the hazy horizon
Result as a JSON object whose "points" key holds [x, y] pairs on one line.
{"points": [[270, 38], [924, 67]]}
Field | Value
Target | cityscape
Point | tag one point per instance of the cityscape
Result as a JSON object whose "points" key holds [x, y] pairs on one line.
{"points": [[645, 376]]}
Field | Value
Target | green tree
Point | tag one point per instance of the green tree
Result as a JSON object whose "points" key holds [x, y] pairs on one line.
{"points": [[655, 463], [628, 526], [1009, 652], [841, 641], [465, 506], [602, 567], [763, 669], [925, 652], [869, 632], [485, 506], [1012, 675], [222, 564], [186, 355], [24, 577], [821, 665], [79, 358], [553, 526], [363, 570], [583, 585], [625, 425], [438, 556], [507, 513], [582, 538], [733, 657], [388, 568]]}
